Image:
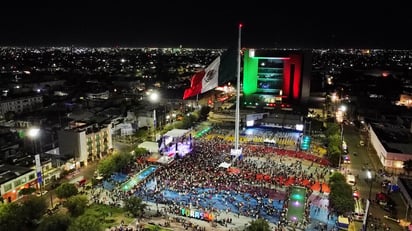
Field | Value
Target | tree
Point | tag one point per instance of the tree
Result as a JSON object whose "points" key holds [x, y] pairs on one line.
{"points": [[258, 225], [33, 209], [135, 206], [86, 223], [337, 177], [334, 148], [140, 152], [27, 191], [76, 205], [332, 129], [341, 195], [121, 160], [407, 165], [54, 222], [66, 190], [334, 155], [106, 167], [204, 112], [10, 218]]}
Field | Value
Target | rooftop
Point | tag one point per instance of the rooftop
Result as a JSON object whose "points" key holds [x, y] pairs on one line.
{"points": [[394, 138], [9, 172]]}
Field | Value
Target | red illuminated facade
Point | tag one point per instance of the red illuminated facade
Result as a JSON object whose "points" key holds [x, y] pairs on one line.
{"points": [[276, 77]]}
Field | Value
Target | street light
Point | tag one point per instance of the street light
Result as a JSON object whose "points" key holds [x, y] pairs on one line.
{"points": [[341, 145], [369, 176], [154, 98], [33, 134]]}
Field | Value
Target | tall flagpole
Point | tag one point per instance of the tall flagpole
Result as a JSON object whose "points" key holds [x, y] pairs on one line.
{"points": [[237, 118]]}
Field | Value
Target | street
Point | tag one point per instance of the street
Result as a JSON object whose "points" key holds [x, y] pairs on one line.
{"points": [[365, 165]]}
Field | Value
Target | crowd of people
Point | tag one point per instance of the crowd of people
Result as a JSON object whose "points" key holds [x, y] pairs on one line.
{"points": [[258, 189]]}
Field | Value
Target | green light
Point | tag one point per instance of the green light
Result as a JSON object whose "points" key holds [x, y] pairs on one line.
{"points": [[250, 73], [297, 197], [305, 143]]}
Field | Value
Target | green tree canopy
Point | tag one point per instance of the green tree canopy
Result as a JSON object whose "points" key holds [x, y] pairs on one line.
{"points": [[337, 177], [204, 112], [140, 152], [341, 196], [66, 190], [27, 191], [332, 129], [76, 205], [57, 221], [334, 155], [10, 217], [106, 167], [86, 223], [258, 225], [121, 160], [135, 206], [33, 208]]}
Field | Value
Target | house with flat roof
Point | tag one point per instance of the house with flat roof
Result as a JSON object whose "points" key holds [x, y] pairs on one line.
{"points": [[15, 178]]}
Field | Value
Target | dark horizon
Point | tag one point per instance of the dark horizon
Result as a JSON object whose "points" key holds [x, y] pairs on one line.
{"points": [[164, 25]]}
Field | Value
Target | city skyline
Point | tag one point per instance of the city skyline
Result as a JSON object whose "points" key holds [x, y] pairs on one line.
{"points": [[210, 25]]}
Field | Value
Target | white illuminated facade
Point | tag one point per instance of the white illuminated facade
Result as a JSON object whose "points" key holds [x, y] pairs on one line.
{"points": [[19, 105]]}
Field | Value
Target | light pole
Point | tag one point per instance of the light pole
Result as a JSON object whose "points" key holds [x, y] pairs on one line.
{"points": [[154, 98], [341, 145], [369, 175], [34, 134]]}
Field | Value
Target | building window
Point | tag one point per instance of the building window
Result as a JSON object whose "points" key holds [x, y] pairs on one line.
{"points": [[17, 183], [7, 187]]}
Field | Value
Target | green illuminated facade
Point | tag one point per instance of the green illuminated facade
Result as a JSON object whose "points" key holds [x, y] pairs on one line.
{"points": [[273, 77]]}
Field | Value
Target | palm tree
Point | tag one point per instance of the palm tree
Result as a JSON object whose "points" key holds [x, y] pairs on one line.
{"points": [[258, 225]]}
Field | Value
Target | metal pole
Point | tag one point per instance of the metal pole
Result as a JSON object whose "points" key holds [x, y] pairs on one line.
{"points": [[237, 116], [341, 145], [370, 185], [51, 199], [154, 125]]}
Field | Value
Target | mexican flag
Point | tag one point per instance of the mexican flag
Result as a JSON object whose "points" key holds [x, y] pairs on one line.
{"points": [[221, 70]]}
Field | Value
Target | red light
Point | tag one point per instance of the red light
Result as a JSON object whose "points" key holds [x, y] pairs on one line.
{"points": [[355, 194], [240, 25]]}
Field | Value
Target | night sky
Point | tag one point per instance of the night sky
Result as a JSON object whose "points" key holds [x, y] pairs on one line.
{"points": [[206, 24]]}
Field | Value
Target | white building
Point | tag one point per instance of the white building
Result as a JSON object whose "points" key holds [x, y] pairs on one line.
{"points": [[85, 142], [21, 104], [390, 144]]}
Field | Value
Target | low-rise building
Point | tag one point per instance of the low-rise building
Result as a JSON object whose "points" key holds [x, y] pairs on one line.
{"points": [[19, 105], [15, 178], [85, 142]]}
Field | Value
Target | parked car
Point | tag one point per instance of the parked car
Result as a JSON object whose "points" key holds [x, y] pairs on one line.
{"points": [[385, 183], [41, 193], [362, 143]]}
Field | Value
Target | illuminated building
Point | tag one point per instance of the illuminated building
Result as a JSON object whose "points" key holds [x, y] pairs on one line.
{"points": [[274, 78]]}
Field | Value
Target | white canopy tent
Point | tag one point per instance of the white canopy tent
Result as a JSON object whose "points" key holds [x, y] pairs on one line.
{"points": [[176, 133], [150, 146], [165, 160], [224, 165]]}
